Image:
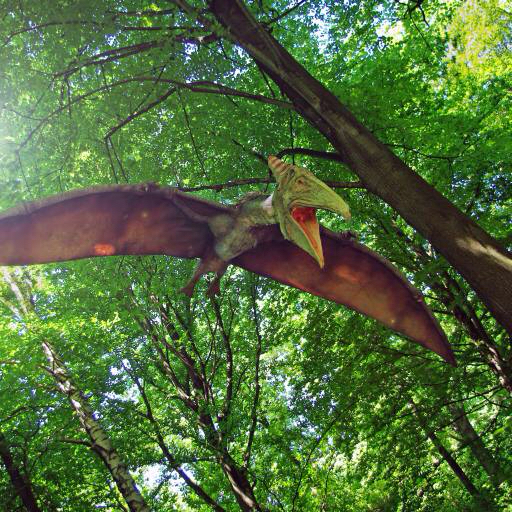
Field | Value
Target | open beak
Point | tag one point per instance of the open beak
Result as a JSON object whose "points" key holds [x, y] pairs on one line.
{"points": [[305, 217], [326, 199], [298, 195]]}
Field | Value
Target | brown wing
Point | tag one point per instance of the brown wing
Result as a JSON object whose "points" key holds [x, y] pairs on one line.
{"points": [[103, 221], [355, 277]]}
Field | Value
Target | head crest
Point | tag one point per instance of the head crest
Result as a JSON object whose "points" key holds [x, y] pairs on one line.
{"points": [[278, 167]]}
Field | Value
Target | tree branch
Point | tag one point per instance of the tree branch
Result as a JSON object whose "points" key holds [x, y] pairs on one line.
{"points": [[326, 155], [257, 387], [139, 112], [226, 409], [255, 181]]}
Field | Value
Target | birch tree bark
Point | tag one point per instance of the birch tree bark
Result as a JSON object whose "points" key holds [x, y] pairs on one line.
{"points": [[100, 441]]}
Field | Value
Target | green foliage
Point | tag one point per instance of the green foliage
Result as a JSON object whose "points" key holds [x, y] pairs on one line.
{"points": [[334, 428]]}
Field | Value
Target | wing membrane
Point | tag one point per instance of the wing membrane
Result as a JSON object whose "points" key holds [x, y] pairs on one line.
{"points": [[105, 221], [353, 276]]}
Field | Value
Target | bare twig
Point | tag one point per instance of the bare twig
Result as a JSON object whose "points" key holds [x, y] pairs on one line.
{"points": [[257, 387], [285, 13], [253, 181], [139, 112], [226, 409], [325, 155], [219, 89], [192, 138]]}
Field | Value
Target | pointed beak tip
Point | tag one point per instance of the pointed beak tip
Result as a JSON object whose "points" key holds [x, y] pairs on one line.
{"points": [[319, 257]]}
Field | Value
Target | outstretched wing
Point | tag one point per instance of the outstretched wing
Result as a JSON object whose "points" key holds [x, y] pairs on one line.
{"points": [[103, 221], [135, 219], [353, 276]]}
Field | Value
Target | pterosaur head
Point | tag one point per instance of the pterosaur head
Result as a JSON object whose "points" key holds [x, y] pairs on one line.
{"points": [[295, 201]]}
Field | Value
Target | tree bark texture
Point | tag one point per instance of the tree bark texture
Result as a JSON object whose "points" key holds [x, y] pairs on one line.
{"points": [[99, 439], [454, 299], [470, 438], [20, 482], [479, 258]]}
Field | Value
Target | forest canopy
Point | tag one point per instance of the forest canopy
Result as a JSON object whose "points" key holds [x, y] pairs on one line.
{"points": [[118, 392]]}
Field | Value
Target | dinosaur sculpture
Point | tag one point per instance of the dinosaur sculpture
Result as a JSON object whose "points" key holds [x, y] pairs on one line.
{"points": [[277, 236]]}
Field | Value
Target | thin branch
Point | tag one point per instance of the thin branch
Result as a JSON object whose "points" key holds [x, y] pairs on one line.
{"points": [[108, 143], [255, 181], [285, 13], [313, 448], [219, 89], [8, 39], [192, 138], [448, 158], [81, 442], [325, 155], [113, 54], [226, 409], [138, 113], [146, 12], [119, 163], [196, 488], [215, 88], [257, 387]]}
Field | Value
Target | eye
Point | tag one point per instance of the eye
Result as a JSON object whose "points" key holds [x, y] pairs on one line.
{"points": [[301, 183]]}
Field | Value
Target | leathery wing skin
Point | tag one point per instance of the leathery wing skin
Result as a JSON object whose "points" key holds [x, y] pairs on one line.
{"points": [[356, 277], [104, 221], [146, 219]]}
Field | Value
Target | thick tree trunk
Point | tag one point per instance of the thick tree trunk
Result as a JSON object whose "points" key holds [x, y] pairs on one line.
{"points": [[479, 258], [19, 481], [470, 438], [100, 441]]}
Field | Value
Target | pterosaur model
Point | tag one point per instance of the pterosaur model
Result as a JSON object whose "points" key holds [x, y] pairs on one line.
{"points": [[277, 236]]}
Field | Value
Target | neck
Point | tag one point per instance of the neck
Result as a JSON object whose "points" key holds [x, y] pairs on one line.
{"points": [[258, 210]]}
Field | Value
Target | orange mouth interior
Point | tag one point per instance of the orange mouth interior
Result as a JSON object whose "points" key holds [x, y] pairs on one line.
{"points": [[305, 216]]}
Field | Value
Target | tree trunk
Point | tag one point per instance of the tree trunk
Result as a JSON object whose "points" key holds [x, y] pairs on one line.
{"points": [[20, 482], [448, 458], [479, 258], [470, 438], [454, 299], [486, 346], [239, 483], [459, 472], [236, 474], [100, 441]]}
